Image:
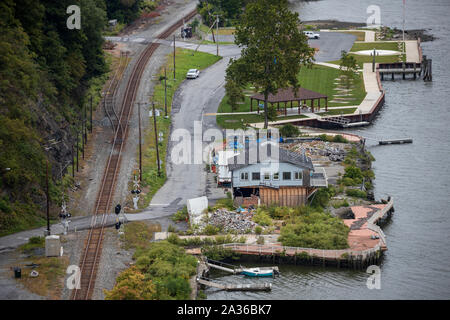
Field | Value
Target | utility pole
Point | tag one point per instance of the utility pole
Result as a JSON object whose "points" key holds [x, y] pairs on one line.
{"points": [[77, 148], [82, 139], [85, 124], [165, 91], [73, 163], [174, 77], [140, 143], [48, 202], [91, 113], [217, 33], [156, 139]]}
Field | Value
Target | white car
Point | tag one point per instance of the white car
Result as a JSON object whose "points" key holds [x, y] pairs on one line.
{"points": [[192, 74], [311, 35]]}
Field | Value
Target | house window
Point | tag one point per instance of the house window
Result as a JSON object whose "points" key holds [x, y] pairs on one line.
{"points": [[276, 176], [287, 175], [298, 175], [266, 176], [244, 175], [256, 176]]}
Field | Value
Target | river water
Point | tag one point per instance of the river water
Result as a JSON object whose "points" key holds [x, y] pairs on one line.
{"points": [[417, 263]]}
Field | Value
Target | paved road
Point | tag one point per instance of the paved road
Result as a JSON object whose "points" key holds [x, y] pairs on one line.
{"points": [[331, 44], [193, 99]]}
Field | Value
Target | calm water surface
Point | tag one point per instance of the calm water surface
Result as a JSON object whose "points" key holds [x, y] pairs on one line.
{"points": [[417, 264]]}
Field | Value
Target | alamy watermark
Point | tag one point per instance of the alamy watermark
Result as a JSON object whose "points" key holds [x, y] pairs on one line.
{"points": [[374, 280], [74, 20]]}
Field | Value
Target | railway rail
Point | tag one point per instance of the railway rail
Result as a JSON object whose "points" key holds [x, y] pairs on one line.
{"points": [[94, 241]]}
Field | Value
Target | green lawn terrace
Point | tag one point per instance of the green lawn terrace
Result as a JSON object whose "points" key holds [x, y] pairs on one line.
{"points": [[321, 79], [396, 46]]}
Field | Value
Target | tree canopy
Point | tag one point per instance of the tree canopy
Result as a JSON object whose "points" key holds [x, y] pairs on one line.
{"points": [[273, 48]]}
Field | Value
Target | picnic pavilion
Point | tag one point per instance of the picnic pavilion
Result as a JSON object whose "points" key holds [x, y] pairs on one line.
{"points": [[288, 95]]}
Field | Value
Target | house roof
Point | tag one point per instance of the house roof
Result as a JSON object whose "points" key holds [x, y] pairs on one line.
{"points": [[288, 94], [284, 156]]}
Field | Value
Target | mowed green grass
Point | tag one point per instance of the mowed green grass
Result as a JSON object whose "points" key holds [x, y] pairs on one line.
{"points": [[360, 59], [338, 111], [321, 79], [240, 121], [374, 45]]}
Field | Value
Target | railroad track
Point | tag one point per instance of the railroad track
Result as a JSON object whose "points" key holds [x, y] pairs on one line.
{"points": [[93, 245], [109, 100]]}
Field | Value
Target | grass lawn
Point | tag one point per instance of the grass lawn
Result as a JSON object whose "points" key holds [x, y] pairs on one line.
{"points": [[377, 45], [185, 60], [222, 31], [321, 79], [338, 111], [222, 43], [360, 59], [239, 121]]}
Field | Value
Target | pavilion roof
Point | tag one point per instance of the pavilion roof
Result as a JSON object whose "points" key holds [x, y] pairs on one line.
{"points": [[288, 94]]}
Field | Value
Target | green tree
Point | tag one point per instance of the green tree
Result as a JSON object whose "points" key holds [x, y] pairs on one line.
{"points": [[348, 67], [234, 93], [273, 48]]}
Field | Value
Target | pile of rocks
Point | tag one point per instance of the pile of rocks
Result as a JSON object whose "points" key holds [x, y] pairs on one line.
{"points": [[334, 151], [231, 221]]}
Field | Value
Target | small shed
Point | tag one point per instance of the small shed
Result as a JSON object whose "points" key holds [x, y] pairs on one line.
{"points": [[289, 95], [195, 208], [52, 246]]}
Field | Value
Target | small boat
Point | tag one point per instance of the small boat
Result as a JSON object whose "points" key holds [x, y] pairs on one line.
{"points": [[257, 272]]}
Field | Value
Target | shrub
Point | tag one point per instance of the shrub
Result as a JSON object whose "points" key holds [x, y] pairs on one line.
{"points": [[289, 130], [181, 215], [262, 218], [322, 197], [315, 230], [339, 138], [356, 193], [210, 230], [258, 230]]}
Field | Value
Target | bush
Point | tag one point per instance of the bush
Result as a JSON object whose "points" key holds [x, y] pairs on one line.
{"points": [[181, 215], [322, 197], [211, 230], [339, 138], [289, 130], [356, 193], [162, 272], [315, 230], [258, 230], [262, 218]]}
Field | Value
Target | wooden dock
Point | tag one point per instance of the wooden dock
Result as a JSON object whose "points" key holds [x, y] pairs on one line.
{"points": [[402, 68], [235, 287]]}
